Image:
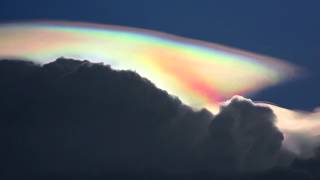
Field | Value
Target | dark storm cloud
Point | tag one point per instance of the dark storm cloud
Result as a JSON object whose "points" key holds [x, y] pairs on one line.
{"points": [[252, 140], [76, 117], [72, 116]]}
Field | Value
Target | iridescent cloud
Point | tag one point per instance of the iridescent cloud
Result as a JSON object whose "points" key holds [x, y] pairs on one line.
{"points": [[201, 74]]}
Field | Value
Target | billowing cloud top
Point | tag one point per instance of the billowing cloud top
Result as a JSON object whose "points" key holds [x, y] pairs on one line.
{"points": [[74, 117], [70, 116], [199, 73]]}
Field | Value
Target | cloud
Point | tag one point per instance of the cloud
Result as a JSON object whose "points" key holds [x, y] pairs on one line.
{"points": [[153, 55], [301, 130], [263, 135], [246, 135], [71, 116], [77, 117]]}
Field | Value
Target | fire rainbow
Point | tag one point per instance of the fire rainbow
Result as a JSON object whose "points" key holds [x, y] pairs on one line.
{"points": [[201, 74]]}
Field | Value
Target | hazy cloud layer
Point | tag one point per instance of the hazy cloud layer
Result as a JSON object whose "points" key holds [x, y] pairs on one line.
{"points": [[301, 130]]}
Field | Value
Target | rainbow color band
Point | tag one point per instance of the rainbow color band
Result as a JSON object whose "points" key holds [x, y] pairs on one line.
{"points": [[201, 74]]}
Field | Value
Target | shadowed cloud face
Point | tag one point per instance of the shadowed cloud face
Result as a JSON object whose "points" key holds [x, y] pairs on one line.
{"points": [[71, 117], [248, 134]]}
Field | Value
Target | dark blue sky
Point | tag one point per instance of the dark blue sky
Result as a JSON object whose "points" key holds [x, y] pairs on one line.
{"points": [[287, 29]]}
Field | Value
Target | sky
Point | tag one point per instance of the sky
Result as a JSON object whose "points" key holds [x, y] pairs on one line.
{"points": [[283, 29], [286, 29]]}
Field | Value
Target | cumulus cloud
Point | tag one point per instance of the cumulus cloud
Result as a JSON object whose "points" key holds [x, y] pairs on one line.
{"points": [[249, 136], [71, 117], [263, 135]]}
